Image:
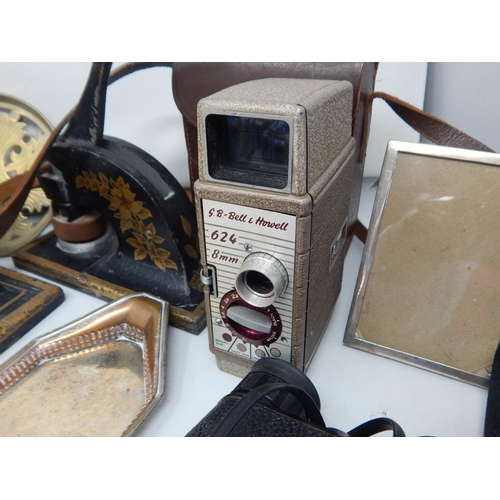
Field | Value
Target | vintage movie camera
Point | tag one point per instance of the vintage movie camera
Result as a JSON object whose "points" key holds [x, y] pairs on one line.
{"points": [[272, 200]]}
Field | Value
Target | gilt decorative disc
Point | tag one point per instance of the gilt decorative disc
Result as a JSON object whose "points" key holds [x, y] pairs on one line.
{"points": [[23, 131]]}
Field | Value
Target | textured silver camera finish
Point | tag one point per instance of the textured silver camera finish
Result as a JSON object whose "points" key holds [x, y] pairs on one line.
{"points": [[318, 197]]}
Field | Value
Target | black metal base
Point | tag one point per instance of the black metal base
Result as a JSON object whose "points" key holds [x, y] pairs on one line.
{"points": [[108, 276]]}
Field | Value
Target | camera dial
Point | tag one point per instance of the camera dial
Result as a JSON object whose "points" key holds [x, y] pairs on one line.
{"points": [[262, 278], [255, 325]]}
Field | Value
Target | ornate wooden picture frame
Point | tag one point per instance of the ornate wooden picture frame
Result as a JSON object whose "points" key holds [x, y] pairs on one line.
{"points": [[24, 302]]}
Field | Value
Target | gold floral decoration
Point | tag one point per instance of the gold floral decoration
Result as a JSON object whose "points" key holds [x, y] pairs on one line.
{"points": [[186, 226], [131, 214], [189, 249]]}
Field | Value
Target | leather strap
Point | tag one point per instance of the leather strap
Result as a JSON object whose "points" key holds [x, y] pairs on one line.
{"points": [[8, 187], [376, 426], [11, 208], [429, 126], [23, 183], [432, 128], [247, 402]]}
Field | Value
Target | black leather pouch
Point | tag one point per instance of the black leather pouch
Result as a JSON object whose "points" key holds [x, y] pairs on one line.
{"points": [[276, 399]]}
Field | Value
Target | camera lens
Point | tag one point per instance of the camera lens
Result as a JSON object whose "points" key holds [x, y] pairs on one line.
{"points": [[259, 283], [261, 280]]}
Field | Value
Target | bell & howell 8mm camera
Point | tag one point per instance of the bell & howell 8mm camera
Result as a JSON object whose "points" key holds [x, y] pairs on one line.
{"points": [[272, 201]]}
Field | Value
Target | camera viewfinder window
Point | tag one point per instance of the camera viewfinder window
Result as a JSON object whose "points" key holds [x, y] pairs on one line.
{"points": [[248, 150]]}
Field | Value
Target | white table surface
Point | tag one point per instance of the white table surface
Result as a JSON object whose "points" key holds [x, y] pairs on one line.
{"points": [[354, 386]]}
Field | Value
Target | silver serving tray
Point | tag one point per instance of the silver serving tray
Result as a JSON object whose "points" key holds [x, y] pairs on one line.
{"points": [[99, 376]]}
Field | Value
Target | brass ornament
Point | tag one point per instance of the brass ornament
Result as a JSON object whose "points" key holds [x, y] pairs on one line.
{"points": [[23, 131]]}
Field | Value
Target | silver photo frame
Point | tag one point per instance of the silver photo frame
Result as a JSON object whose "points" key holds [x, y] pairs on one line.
{"points": [[428, 288]]}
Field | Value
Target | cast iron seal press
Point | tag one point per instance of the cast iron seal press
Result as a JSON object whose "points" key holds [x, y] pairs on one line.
{"points": [[122, 222]]}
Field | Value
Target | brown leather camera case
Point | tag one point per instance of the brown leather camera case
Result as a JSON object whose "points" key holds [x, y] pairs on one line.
{"points": [[193, 81]]}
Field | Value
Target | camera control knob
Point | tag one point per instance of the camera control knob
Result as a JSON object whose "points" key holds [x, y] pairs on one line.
{"points": [[262, 278], [249, 318], [255, 325]]}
